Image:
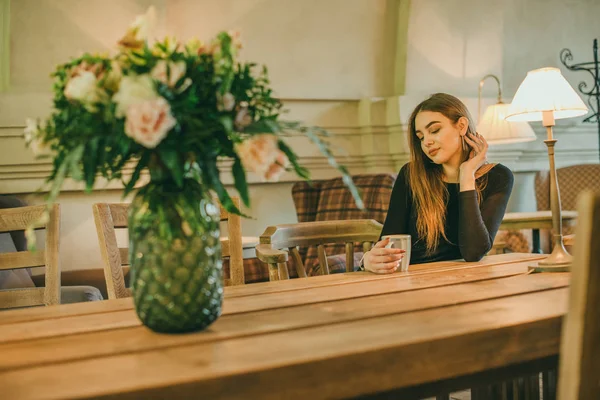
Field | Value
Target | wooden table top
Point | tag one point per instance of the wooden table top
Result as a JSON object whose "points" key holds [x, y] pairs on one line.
{"points": [[338, 336], [535, 219]]}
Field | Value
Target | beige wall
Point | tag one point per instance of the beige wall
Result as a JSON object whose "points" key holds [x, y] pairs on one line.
{"points": [[331, 60], [323, 56]]}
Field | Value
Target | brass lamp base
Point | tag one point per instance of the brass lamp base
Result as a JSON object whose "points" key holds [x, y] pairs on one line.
{"points": [[558, 261]]}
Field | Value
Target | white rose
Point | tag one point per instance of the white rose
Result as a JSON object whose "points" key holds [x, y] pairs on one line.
{"points": [[32, 137], [242, 119], [225, 102], [168, 72], [83, 88], [149, 122], [133, 90], [260, 154]]}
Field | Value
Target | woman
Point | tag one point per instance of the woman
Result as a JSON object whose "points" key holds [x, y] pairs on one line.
{"points": [[448, 198]]}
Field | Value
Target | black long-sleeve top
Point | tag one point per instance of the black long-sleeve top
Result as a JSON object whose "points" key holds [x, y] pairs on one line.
{"points": [[470, 227]]}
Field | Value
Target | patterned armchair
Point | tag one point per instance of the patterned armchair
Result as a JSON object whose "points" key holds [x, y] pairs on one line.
{"points": [[572, 180], [330, 200]]}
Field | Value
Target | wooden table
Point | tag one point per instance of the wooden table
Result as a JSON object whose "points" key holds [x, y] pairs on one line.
{"points": [[438, 326], [535, 220]]}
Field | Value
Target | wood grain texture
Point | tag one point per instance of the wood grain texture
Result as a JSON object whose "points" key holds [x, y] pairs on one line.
{"points": [[22, 259], [108, 216], [27, 344], [504, 262], [323, 260], [107, 239], [235, 251], [443, 342], [52, 285], [119, 214], [535, 220], [579, 361], [300, 270], [124, 255], [346, 278], [349, 257], [14, 298], [315, 233], [63, 311], [225, 247], [19, 218], [319, 233], [16, 219], [371, 288], [283, 271]]}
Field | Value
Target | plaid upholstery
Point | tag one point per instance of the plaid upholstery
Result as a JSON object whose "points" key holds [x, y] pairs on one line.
{"points": [[571, 181], [254, 270], [330, 200], [517, 241], [306, 199]]}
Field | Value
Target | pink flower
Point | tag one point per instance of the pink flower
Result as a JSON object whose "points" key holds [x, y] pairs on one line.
{"points": [[260, 154], [148, 122], [277, 168], [168, 72], [242, 119]]}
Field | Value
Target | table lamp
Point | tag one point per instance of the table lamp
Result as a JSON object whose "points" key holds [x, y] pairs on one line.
{"points": [[545, 95], [494, 127]]}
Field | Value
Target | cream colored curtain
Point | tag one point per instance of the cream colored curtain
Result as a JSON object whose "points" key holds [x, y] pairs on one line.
{"points": [[4, 44]]}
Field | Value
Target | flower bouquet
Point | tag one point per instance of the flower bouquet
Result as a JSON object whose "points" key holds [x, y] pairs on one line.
{"points": [[170, 111]]}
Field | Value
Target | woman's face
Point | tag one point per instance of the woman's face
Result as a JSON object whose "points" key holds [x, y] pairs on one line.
{"points": [[440, 138]]}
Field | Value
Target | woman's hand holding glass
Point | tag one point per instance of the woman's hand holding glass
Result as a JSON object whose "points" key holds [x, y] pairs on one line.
{"points": [[382, 260]]}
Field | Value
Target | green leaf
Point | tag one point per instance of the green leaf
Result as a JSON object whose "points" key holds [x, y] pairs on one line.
{"points": [[74, 160], [239, 177], [136, 173], [170, 158], [263, 126], [227, 123], [90, 161], [212, 177], [323, 146], [300, 170]]}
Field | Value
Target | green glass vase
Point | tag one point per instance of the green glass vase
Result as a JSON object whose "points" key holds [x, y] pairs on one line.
{"points": [[175, 256]]}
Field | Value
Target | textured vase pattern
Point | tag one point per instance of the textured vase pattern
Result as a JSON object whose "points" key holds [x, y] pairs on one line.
{"points": [[175, 256]]}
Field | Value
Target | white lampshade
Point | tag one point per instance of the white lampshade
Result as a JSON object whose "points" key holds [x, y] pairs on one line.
{"points": [[545, 89], [497, 130]]}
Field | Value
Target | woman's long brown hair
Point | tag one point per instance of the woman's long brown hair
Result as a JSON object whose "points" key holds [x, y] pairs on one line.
{"points": [[429, 193]]}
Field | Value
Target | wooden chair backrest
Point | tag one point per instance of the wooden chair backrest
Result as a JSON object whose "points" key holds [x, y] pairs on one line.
{"points": [[580, 344], [318, 233], [108, 217], [111, 216], [17, 219], [232, 247]]}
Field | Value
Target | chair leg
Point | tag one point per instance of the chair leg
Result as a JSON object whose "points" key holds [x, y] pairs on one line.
{"points": [[283, 271], [273, 272]]}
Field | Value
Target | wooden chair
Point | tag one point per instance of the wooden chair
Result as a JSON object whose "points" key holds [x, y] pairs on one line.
{"points": [[109, 217], [232, 245], [17, 219], [580, 344], [319, 233]]}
